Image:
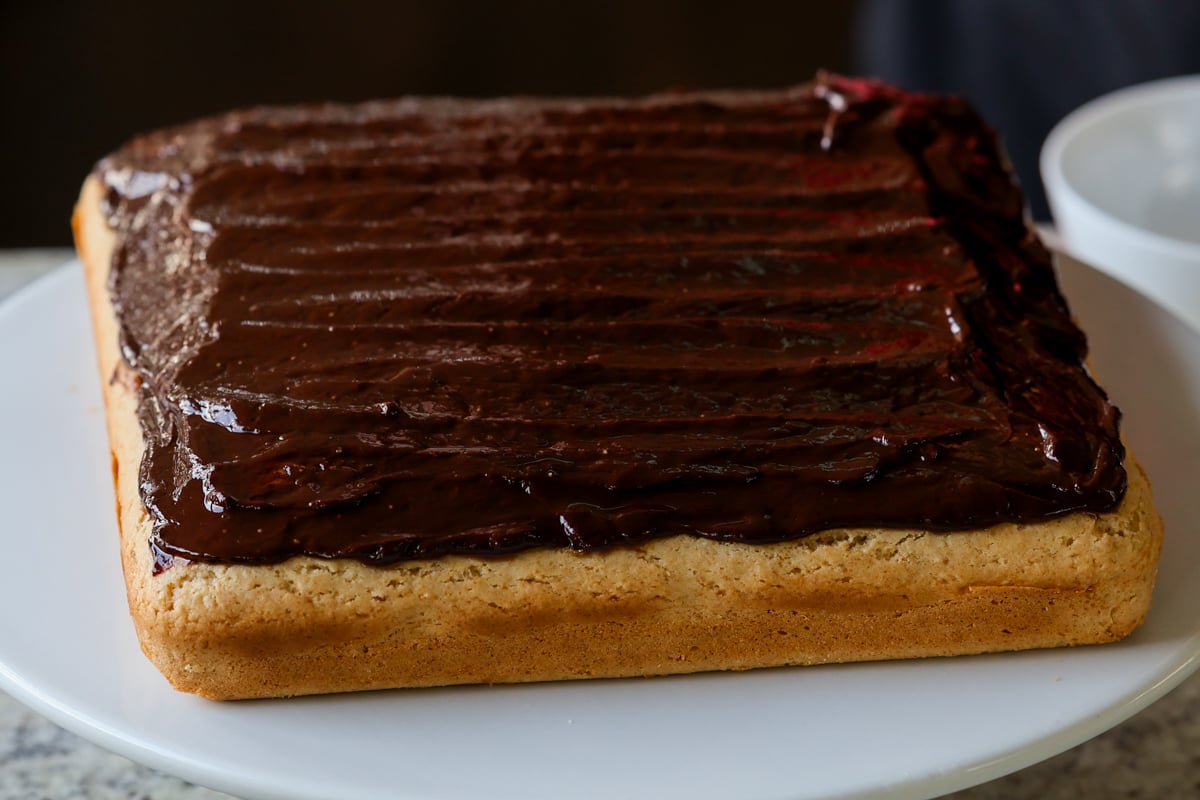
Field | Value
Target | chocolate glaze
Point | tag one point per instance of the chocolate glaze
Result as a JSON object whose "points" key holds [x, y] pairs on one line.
{"points": [[411, 328]]}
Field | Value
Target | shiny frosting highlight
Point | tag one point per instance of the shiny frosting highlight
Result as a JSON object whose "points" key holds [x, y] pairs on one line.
{"points": [[410, 328]]}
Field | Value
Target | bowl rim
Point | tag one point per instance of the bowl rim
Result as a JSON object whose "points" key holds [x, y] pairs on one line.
{"points": [[1068, 129]]}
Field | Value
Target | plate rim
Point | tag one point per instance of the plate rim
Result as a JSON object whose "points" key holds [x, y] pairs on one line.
{"points": [[258, 784]]}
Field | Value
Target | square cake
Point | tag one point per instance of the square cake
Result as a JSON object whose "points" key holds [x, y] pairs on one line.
{"points": [[429, 391]]}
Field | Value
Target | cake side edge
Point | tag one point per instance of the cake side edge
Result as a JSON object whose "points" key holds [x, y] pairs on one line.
{"points": [[669, 606]]}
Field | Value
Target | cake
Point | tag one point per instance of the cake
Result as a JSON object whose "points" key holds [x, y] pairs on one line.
{"points": [[434, 391]]}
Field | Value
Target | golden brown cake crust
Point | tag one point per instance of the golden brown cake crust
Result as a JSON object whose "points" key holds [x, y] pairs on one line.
{"points": [[672, 605]]}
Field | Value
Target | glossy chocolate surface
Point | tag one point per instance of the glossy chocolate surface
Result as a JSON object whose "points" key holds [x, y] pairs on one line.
{"points": [[412, 328]]}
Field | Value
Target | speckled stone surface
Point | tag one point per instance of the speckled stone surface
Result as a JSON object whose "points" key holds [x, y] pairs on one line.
{"points": [[1156, 754], [40, 761]]}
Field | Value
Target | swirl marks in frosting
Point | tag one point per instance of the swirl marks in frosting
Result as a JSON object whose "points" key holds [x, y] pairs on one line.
{"points": [[405, 329]]}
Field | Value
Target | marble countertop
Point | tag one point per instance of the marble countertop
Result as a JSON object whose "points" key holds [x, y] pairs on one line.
{"points": [[1155, 754]]}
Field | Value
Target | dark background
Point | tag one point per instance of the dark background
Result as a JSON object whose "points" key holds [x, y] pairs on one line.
{"points": [[76, 80]]}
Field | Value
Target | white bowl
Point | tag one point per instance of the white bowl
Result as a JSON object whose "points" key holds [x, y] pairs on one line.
{"points": [[1122, 175]]}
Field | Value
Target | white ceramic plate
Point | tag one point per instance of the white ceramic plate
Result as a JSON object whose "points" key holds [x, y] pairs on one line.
{"points": [[907, 729]]}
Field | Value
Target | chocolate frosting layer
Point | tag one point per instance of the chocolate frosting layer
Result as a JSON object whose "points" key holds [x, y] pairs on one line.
{"points": [[411, 328]]}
